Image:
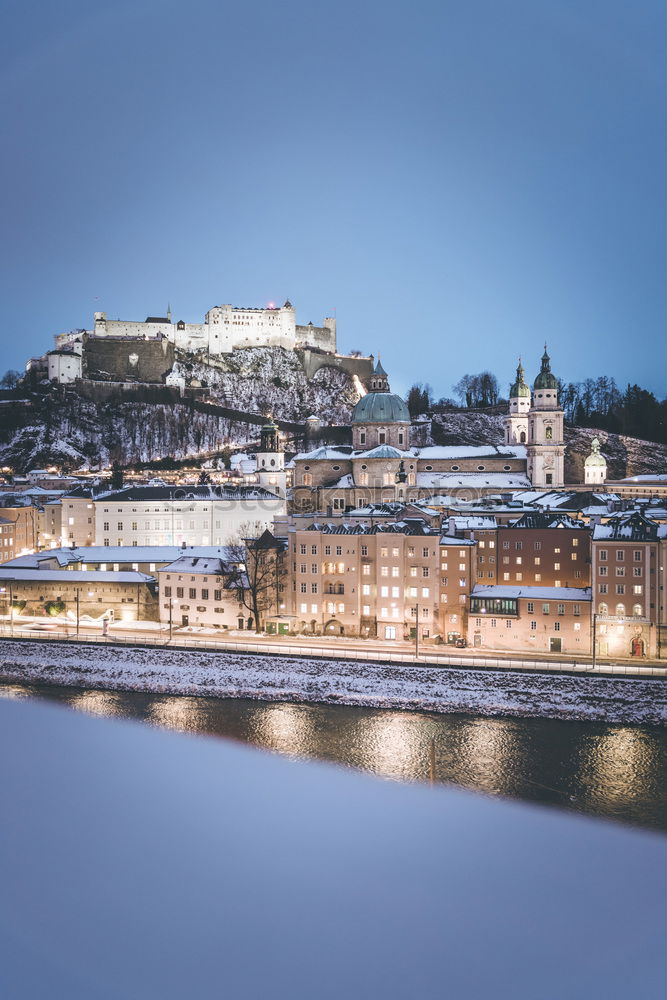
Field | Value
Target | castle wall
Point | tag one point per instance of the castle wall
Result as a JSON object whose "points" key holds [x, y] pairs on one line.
{"points": [[321, 337], [128, 358], [226, 327]]}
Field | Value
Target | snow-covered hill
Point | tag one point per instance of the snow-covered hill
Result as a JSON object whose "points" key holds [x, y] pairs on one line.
{"points": [[626, 456]]}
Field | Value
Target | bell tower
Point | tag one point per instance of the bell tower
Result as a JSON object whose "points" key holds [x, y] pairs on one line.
{"points": [[516, 421], [546, 445]]}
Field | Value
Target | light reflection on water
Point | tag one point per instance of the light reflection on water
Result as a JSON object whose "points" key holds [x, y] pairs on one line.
{"points": [[616, 771]]}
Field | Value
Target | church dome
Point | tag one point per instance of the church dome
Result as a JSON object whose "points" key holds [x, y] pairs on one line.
{"points": [[380, 408], [595, 459], [519, 387], [546, 378]]}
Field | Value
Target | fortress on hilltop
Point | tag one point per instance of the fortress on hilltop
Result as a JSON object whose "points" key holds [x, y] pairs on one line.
{"points": [[145, 351], [224, 328]]}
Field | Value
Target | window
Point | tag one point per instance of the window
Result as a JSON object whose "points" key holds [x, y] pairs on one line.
{"points": [[620, 610], [179, 592], [366, 569], [425, 571], [425, 592], [620, 571], [620, 555], [462, 567], [575, 542], [384, 571], [366, 589], [573, 555], [533, 626], [366, 610], [545, 609], [603, 608], [556, 626], [602, 570], [302, 549], [537, 561], [561, 609], [193, 593], [217, 595], [339, 550], [637, 589], [204, 594], [395, 591], [603, 555], [364, 550], [167, 591], [313, 550], [506, 576], [106, 525], [424, 553], [396, 572], [636, 571], [557, 583], [556, 565], [537, 546], [602, 588], [313, 567], [637, 555], [508, 623], [518, 560], [313, 588], [494, 622], [620, 588], [384, 591], [637, 610], [530, 607]]}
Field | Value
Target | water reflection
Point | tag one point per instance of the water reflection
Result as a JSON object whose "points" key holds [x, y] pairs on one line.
{"points": [[283, 727], [616, 771]]}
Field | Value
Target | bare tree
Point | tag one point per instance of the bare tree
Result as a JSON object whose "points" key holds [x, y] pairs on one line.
{"points": [[256, 554]]}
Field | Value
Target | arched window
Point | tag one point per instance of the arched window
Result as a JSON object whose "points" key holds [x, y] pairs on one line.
{"points": [[307, 479], [637, 610], [522, 437], [549, 433], [602, 608], [620, 610]]}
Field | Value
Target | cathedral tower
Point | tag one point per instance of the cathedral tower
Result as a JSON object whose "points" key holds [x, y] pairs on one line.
{"points": [[516, 421], [546, 446]]}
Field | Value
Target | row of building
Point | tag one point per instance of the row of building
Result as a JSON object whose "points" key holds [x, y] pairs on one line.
{"points": [[526, 577]]}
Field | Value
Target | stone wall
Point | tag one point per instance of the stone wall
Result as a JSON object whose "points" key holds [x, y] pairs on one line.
{"points": [[127, 359], [314, 360]]}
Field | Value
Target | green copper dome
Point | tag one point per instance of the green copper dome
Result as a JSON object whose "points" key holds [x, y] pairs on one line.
{"points": [[519, 388], [546, 378], [380, 408]]}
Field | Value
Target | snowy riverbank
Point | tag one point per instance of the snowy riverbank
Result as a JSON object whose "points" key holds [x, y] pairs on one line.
{"points": [[281, 678]]}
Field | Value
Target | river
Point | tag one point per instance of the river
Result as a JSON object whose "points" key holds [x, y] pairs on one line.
{"points": [[606, 770]]}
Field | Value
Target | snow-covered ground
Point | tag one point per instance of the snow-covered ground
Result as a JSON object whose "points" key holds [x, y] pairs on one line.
{"points": [[282, 678]]}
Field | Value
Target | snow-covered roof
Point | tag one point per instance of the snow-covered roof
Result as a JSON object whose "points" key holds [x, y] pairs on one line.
{"points": [[534, 593], [659, 477], [382, 451], [472, 480], [471, 451], [197, 565], [71, 576], [467, 522], [454, 540], [96, 554], [321, 454]]}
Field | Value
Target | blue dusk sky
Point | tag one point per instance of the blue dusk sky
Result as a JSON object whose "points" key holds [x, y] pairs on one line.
{"points": [[459, 181]]}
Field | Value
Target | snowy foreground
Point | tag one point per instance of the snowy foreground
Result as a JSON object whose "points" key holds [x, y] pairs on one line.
{"points": [[282, 678]]}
